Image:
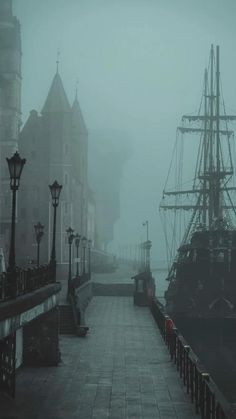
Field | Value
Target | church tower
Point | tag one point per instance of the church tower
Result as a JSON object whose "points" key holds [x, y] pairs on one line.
{"points": [[10, 106]]}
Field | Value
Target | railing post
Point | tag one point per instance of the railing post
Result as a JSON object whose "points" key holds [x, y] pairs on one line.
{"points": [[213, 406], [186, 374], [197, 389], [203, 400], [191, 378]]}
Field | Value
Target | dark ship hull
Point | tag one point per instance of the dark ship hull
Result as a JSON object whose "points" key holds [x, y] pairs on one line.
{"points": [[201, 300], [203, 279]]}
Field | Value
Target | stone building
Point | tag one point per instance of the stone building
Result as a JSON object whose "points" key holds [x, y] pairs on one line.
{"points": [[10, 110], [55, 145]]}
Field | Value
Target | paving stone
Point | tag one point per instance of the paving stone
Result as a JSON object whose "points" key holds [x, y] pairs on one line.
{"points": [[120, 370]]}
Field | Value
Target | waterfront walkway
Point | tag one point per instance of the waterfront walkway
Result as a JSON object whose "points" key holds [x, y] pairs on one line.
{"points": [[120, 370]]}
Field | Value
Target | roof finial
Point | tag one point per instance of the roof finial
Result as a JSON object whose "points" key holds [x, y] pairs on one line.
{"points": [[58, 55], [76, 89]]}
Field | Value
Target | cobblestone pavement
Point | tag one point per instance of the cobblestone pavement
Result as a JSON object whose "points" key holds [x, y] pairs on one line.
{"points": [[120, 370]]}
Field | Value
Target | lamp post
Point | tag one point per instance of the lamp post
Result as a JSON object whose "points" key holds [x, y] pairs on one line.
{"points": [[77, 242], [38, 228], [84, 242], [15, 166], [70, 235], [143, 260], [145, 223], [148, 246], [89, 257], [55, 190]]}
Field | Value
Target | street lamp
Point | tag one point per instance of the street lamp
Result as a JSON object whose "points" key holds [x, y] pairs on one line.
{"points": [[15, 166], [143, 256], [148, 246], [145, 223], [84, 242], [77, 242], [70, 236], [38, 228], [55, 190], [89, 257]]}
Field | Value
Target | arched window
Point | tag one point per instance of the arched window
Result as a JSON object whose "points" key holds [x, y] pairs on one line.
{"points": [[66, 179]]}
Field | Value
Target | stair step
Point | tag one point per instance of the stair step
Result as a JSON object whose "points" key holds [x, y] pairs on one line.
{"points": [[67, 326]]}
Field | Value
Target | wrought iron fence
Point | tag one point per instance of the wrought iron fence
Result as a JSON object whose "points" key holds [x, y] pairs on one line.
{"points": [[209, 401], [21, 281]]}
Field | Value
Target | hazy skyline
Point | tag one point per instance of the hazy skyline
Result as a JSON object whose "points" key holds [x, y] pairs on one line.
{"points": [[140, 66]]}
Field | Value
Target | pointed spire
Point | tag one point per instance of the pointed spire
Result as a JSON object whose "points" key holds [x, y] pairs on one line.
{"points": [[77, 114], [58, 60], [57, 100], [76, 90]]}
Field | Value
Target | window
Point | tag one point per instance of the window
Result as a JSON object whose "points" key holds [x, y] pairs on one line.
{"points": [[22, 212], [7, 134], [35, 213], [36, 194], [66, 207], [23, 238], [66, 179]]}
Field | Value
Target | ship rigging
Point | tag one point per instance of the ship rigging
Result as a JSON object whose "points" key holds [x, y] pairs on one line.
{"points": [[211, 197], [202, 274]]}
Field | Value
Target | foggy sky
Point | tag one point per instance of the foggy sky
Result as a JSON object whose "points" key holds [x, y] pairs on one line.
{"points": [[140, 66]]}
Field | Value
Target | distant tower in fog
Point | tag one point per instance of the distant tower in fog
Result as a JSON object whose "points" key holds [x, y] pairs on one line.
{"points": [[10, 106]]}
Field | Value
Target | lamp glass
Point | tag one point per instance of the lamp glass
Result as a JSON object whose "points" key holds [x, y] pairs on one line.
{"points": [[38, 228], [69, 231], [55, 189], [15, 165], [77, 239], [84, 241]]}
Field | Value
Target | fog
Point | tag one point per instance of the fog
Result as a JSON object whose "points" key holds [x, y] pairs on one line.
{"points": [[139, 65]]}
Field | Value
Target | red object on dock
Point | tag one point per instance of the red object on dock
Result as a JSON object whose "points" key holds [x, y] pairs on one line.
{"points": [[168, 328]]}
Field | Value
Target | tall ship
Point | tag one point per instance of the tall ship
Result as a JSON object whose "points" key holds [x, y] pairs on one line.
{"points": [[200, 195]]}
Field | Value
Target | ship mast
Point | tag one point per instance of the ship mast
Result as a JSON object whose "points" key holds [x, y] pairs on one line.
{"points": [[214, 134], [218, 173], [204, 216], [211, 139], [210, 194]]}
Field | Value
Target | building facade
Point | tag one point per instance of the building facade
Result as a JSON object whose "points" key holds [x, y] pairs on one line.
{"points": [[55, 146], [10, 110]]}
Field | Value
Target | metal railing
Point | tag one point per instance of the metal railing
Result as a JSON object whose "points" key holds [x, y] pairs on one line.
{"points": [[209, 401], [23, 281], [77, 281]]}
